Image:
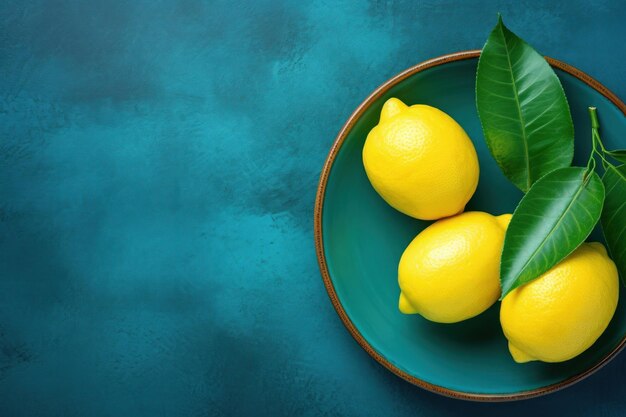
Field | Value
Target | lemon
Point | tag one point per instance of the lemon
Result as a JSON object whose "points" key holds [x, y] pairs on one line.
{"points": [[563, 312], [451, 270], [420, 161]]}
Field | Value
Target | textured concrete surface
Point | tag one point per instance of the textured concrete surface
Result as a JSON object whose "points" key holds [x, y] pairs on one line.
{"points": [[158, 165]]}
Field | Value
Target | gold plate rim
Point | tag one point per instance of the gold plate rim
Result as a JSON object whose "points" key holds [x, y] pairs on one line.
{"points": [[319, 240]]}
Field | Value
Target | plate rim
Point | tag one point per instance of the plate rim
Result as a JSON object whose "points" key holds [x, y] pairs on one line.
{"points": [[319, 239]]}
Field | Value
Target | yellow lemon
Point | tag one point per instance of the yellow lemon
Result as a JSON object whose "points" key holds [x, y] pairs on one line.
{"points": [[451, 270], [420, 161], [563, 312]]}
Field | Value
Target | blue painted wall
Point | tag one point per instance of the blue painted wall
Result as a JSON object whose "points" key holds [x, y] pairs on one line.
{"points": [[158, 166]]}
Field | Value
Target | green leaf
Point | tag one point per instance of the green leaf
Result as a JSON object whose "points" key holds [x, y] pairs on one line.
{"points": [[613, 218], [522, 108], [620, 155], [550, 222]]}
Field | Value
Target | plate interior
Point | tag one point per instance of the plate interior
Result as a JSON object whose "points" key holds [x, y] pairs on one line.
{"points": [[364, 237]]}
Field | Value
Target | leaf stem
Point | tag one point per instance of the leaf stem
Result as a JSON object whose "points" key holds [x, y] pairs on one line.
{"points": [[594, 118], [591, 162], [596, 140]]}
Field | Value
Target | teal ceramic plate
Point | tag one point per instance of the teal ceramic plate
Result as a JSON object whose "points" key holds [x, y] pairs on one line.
{"points": [[359, 240]]}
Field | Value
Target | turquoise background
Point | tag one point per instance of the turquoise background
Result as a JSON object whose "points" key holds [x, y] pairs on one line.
{"points": [[158, 166]]}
